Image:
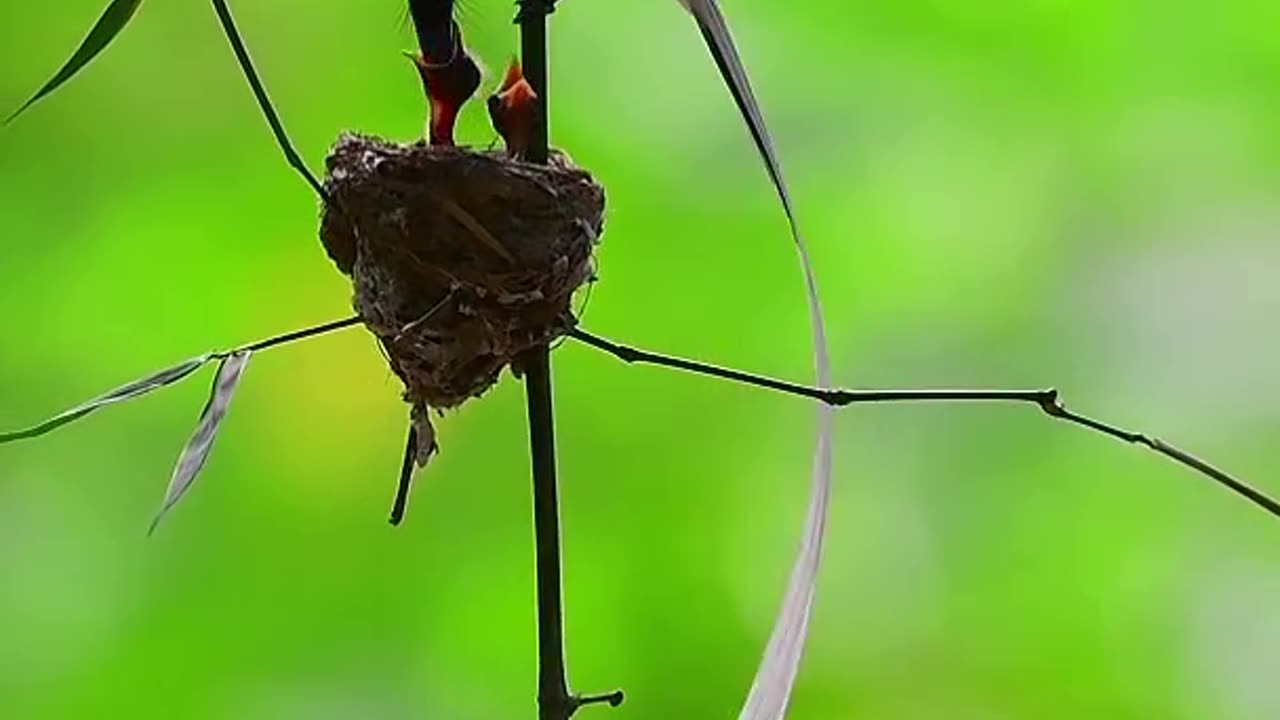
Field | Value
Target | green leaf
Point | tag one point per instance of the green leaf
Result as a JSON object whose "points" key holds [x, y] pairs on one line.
{"points": [[135, 389], [108, 26]]}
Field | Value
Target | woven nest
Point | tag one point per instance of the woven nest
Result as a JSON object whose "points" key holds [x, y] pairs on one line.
{"points": [[461, 260]]}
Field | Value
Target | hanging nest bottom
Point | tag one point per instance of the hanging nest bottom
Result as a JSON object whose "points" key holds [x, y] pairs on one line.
{"points": [[460, 260]]}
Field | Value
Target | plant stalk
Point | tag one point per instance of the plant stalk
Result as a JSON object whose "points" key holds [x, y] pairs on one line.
{"points": [[554, 701]]}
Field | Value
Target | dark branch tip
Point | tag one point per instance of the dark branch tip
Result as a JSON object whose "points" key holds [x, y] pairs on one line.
{"points": [[613, 699]]}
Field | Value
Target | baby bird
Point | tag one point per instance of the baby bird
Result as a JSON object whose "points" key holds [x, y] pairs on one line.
{"points": [[449, 81], [514, 110]]}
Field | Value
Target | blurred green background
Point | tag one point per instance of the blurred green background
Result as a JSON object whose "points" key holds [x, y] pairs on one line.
{"points": [[1084, 194]]}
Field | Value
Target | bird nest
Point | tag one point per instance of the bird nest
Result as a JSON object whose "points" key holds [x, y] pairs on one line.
{"points": [[460, 260]]}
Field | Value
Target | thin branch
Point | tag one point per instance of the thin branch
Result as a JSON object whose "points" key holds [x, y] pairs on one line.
{"points": [[295, 335], [1047, 400], [411, 450], [613, 699], [264, 101], [406, 476]]}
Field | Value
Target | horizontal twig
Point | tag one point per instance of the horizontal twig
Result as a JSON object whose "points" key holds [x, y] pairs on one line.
{"points": [[1048, 400]]}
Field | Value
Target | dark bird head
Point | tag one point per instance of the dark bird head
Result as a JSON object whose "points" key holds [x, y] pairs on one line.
{"points": [[513, 110]]}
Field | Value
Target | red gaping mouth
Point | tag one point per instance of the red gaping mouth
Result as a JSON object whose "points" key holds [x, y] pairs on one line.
{"points": [[449, 82]]}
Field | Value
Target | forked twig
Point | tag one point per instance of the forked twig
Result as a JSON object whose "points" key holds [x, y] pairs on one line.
{"points": [[1048, 400], [191, 461], [168, 376]]}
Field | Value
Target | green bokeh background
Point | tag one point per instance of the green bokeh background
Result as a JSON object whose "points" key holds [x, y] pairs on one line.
{"points": [[1000, 193]]}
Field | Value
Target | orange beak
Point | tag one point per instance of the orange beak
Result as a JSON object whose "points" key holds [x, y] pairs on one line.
{"points": [[513, 110], [449, 82]]}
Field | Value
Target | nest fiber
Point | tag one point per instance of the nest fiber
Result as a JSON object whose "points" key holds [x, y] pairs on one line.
{"points": [[461, 260]]}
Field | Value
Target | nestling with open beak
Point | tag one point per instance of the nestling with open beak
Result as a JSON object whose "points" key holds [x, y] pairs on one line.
{"points": [[449, 82], [513, 110]]}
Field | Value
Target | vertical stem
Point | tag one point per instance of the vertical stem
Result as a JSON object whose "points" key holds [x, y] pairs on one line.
{"points": [[533, 59], [554, 702]]}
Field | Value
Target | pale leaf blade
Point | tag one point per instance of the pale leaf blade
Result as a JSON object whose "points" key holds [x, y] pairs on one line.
{"points": [[194, 455], [775, 678], [715, 31], [113, 20], [135, 389]]}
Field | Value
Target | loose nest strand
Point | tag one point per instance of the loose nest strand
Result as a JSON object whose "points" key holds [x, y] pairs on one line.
{"points": [[460, 260]]}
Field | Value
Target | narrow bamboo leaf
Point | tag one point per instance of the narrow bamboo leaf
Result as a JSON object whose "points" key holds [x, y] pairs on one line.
{"points": [[198, 447], [776, 676], [715, 31], [771, 689], [113, 20], [133, 390]]}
